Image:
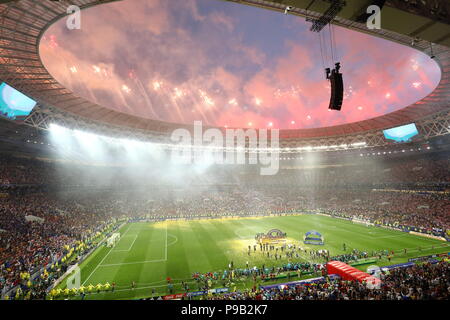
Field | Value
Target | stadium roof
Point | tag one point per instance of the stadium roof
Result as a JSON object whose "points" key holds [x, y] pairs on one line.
{"points": [[23, 23]]}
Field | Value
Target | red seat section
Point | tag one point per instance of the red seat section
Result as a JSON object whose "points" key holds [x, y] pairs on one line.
{"points": [[347, 272]]}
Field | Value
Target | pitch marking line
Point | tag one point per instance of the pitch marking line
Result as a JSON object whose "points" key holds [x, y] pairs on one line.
{"points": [[127, 250], [373, 236], [136, 289], [139, 262], [95, 269], [173, 242], [166, 243], [434, 247], [127, 263], [394, 236]]}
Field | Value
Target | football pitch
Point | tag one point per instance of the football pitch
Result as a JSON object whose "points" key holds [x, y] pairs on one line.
{"points": [[148, 252]]}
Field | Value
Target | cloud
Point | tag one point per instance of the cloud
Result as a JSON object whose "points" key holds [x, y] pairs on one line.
{"points": [[221, 19], [212, 63]]}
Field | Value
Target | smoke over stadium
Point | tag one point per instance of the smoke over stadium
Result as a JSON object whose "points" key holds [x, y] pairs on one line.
{"points": [[224, 150]]}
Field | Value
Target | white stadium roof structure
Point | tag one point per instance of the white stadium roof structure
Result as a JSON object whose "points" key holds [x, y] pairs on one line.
{"points": [[23, 23]]}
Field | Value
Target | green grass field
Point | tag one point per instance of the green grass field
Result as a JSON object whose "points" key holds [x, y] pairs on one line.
{"points": [[148, 253]]}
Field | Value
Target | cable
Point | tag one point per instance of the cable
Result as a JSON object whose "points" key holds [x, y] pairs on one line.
{"points": [[321, 50], [324, 44], [334, 43], [331, 42]]}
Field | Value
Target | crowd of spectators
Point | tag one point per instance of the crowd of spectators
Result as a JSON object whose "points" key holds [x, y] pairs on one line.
{"points": [[35, 227], [419, 282], [36, 230], [426, 212], [424, 170]]}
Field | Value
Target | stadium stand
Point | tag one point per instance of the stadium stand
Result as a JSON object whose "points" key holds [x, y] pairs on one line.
{"points": [[41, 225], [424, 282]]}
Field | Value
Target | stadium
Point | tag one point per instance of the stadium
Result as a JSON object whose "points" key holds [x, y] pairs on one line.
{"points": [[152, 151]]}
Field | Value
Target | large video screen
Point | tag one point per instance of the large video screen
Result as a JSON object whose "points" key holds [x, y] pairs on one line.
{"points": [[401, 134], [14, 104]]}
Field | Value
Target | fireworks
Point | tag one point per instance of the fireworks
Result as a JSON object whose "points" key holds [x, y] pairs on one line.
{"points": [[157, 85], [178, 93], [292, 92], [208, 101], [99, 71], [53, 43], [126, 89], [233, 102]]}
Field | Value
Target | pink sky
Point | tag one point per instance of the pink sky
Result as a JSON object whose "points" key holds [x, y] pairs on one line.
{"points": [[228, 65]]}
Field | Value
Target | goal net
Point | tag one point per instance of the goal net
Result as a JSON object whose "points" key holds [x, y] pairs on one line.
{"points": [[113, 239]]}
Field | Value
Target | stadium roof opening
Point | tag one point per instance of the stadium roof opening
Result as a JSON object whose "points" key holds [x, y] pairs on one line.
{"points": [[206, 61]]}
